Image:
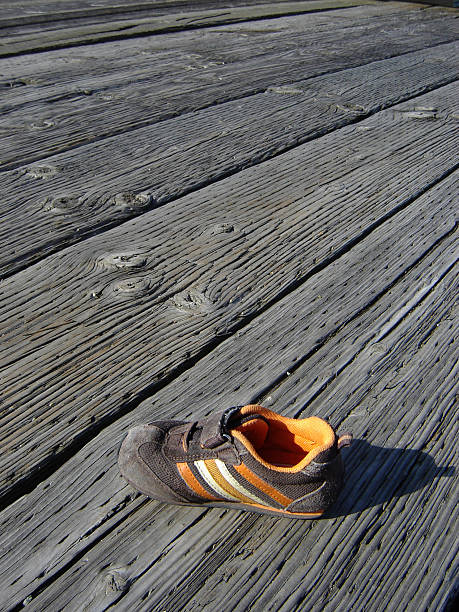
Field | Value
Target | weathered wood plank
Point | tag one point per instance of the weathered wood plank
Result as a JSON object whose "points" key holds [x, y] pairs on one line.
{"points": [[130, 28], [44, 18], [235, 44], [180, 155], [64, 99], [80, 327], [29, 22], [375, 292], [43, 12]]}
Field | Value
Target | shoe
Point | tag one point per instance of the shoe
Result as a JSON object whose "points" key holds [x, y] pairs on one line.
{"points": [[245, 458]]}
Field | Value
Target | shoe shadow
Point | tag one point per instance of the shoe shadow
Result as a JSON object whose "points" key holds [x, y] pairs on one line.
{"points": [[375, 475]]}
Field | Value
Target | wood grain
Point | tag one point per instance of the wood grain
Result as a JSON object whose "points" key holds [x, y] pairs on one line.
{"points": [[23, 19], [80, 329], [64, 99], [377, 367], [213, 217], [112, 29], [183, 154], [47, 17], [45, 12]]}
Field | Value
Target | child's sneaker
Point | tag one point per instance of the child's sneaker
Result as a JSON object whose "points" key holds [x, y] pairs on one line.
{"points": [[245, 458]]}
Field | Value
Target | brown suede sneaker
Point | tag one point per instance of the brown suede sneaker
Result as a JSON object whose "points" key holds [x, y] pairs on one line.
{"points": [[245, 458]]}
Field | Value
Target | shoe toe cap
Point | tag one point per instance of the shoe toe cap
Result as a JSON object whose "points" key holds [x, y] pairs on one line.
{"points": [[128, 454], [134, 469]]}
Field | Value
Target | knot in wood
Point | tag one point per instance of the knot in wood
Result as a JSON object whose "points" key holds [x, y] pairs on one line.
{"points": [[420, 112], [131, 201], [125, 260], [61, 204], [194, 301], [116, 581], [289, 90], [133, 286], [219, 229], [40, 172], [43, 124], [348, 107]]}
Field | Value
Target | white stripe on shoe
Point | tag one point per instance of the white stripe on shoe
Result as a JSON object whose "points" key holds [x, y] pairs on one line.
{"points": [[235, 484], [207, 476]]}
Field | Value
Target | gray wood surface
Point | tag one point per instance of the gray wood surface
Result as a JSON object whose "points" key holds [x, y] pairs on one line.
{"points": [[263, 211], [93, 187], [378, 370], [67, 98], [19, 18], [45, 17], [25, 12], [112, 29], [171, 285]]}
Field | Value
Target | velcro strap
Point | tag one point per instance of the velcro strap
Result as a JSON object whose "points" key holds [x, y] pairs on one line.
{"points": [[212, 434], [176, 438]]}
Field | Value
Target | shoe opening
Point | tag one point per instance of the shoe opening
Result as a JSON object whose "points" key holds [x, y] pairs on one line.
{"points": [[281, 443]]}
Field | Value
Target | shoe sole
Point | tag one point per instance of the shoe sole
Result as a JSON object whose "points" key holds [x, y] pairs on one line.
{"points": [[261, 510]]}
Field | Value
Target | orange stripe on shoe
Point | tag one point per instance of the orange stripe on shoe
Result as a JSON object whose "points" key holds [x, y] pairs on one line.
{"points": [[193, 482], [262, 485], [224, 484]]}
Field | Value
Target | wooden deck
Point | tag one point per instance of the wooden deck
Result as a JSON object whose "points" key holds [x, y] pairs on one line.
{"points": [[206, 204]]}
